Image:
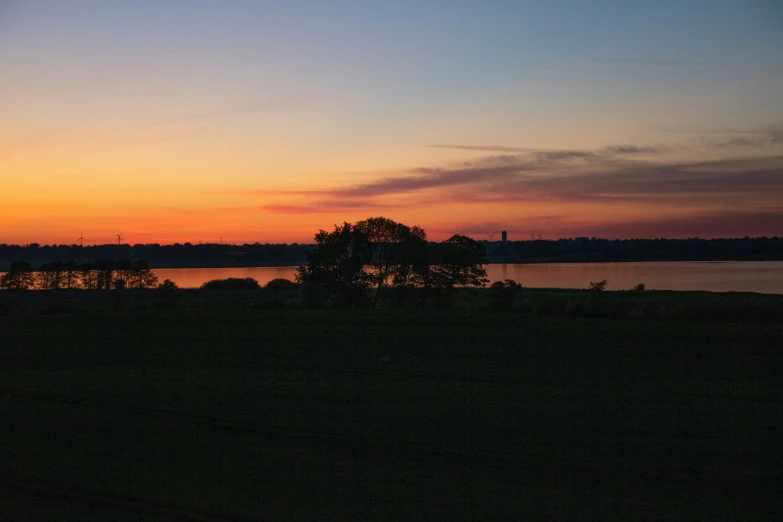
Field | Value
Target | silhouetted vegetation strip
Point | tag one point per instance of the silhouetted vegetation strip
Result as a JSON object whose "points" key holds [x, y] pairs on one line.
{"points": [[232, 283], [580, 249], [100, 275], [502, 298]]}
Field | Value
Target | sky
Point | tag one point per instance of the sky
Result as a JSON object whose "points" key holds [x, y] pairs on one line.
{"points": [[255, 121]]}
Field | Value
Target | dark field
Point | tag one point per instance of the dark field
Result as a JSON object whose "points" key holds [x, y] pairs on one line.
{"points": [[216, 410]]}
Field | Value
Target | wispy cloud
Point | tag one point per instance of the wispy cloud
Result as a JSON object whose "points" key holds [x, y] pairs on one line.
{"points": [[647, 61], [738, 138], [482, 148], [327, 206], [633, 149], [624, 175], [574, 176], [611, 149]]}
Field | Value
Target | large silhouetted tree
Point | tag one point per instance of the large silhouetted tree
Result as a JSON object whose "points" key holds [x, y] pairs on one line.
{"points": [[337, 266], [390, 250], [360, 262]]}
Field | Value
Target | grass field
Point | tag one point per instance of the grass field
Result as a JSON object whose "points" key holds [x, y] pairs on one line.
{"points": [[235, 413]]}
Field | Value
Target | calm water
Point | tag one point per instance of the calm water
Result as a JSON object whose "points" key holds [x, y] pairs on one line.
{"points": [[723, 276]]}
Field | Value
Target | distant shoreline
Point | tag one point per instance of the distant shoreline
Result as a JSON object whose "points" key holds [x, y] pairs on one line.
{"points": [[490, 262], [211, 265]]}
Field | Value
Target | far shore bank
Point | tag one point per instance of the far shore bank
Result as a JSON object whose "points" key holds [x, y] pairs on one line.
{"points": [[494, 261]]}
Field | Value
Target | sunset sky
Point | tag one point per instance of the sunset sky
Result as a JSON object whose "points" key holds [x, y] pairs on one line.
{"points": [[187, 120]]}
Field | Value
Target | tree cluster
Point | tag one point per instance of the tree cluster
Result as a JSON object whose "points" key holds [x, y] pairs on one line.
{"points": [[357, 264], [100, 275]]}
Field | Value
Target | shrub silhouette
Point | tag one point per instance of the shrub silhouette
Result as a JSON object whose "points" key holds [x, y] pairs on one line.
{"points": [[581, 310], [232, 283], [281, 284], [651, 311], [553, 307], [167, 294], [502, 293], [639, 288], [598, 286]]}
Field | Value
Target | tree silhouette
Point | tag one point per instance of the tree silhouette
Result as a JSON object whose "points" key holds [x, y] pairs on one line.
{"points": [[88, 276], [336, 266], [19, 277], [167, 294], [104, 274], [378, 254], [502, 294], [70, 274], [141, 276], [390, 250]]}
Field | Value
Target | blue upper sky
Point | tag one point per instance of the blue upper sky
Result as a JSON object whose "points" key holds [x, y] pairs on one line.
{"points": [[333, 93]]}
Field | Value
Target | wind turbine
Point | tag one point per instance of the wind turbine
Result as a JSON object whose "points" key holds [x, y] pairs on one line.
{"points": [[119, 238], [491, 236], [533, 236], [81, 239], [539, 234]]}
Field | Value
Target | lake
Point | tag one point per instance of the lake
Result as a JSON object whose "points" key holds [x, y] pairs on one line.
{"points": [[720, 276]]}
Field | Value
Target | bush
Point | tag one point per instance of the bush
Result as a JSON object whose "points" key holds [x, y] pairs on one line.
{"points": [[527, 309], [411, 297], [268, 304], [598, 286], [502, 293], [232, 283], [639, 288], [613, 309], [730, 313], [281, 284], [167, 294], [580, 310], [651, 311], [313, 295], [553, 307], [59, 307]]}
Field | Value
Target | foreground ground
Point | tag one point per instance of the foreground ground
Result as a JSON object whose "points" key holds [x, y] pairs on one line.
{"points": [[237, 413]]}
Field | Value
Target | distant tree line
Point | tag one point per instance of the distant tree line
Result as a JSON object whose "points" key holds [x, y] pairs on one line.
{"points": [[561, 250], [356, 264], [583, 249], [162, 256], [100, 275]]}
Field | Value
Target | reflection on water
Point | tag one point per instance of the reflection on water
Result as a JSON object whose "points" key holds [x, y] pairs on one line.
{"points": [[740, 276]]}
